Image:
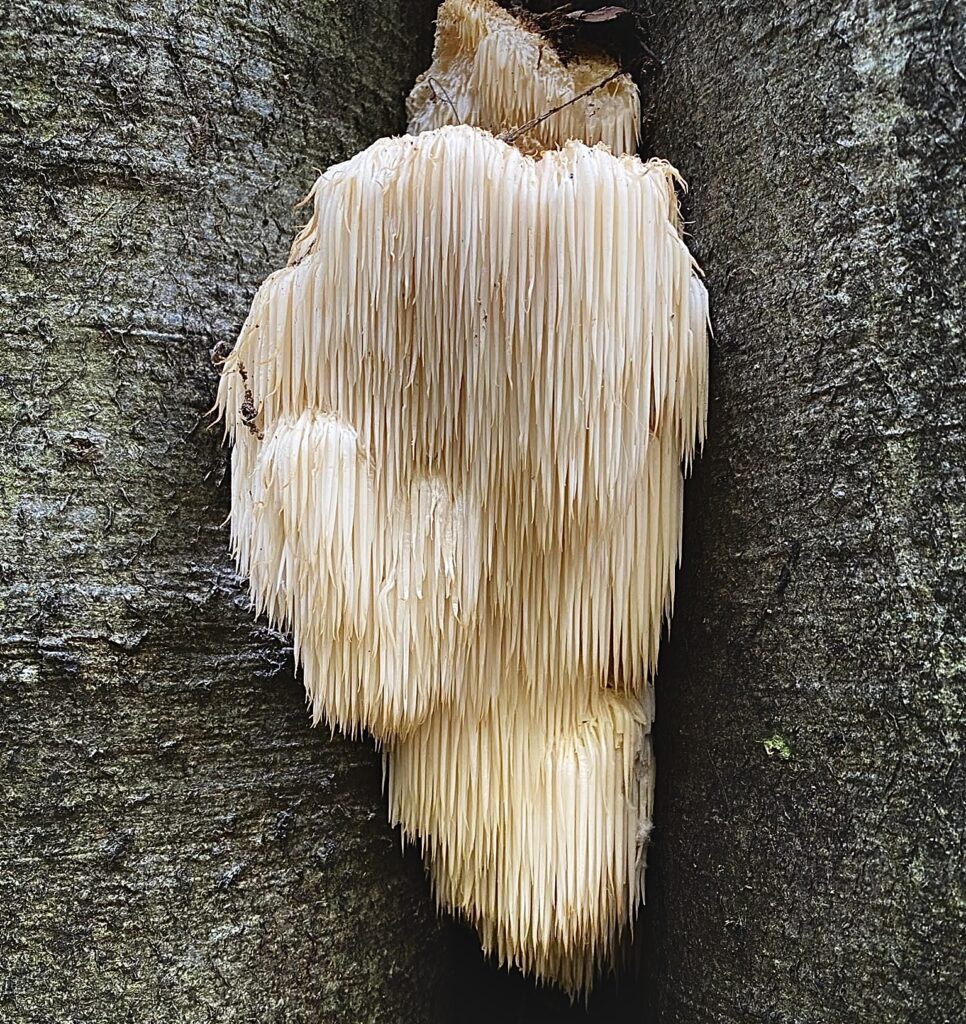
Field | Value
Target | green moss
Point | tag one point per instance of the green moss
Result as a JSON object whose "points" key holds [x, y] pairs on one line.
{"points": [[777, 745]]}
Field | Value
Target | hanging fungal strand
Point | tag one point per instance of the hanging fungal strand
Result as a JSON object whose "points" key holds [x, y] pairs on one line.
{"points": [[458, 422]]}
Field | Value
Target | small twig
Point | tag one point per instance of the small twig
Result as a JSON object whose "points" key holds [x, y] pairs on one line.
{"points": [[452, 106], [515, 133]]}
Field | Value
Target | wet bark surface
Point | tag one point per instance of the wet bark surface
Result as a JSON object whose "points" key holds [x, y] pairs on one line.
{"points": [[177, 843]]}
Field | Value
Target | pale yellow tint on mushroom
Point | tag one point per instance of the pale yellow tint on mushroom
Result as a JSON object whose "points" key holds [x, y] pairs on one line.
{"points": [[459, 417]]}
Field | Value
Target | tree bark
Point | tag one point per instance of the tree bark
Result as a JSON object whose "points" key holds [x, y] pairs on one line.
{"points": [[177, 843], [808, 856]]}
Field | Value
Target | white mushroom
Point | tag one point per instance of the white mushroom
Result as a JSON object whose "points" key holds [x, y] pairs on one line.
{"points": [[458, 420]]}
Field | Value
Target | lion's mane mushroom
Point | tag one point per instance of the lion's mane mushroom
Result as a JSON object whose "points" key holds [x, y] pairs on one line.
{"points": [[458, 418]]}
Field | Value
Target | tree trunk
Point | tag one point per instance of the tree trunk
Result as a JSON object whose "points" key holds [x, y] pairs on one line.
{"points": [[177, 843], [809, 846]]}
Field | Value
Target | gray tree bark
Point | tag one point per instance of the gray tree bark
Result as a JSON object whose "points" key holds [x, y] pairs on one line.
{"points": [[177, 844], [809, 859]]}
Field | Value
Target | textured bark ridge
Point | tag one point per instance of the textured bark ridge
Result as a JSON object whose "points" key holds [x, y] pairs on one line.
{"points": [[177, 843], [808, 846]]}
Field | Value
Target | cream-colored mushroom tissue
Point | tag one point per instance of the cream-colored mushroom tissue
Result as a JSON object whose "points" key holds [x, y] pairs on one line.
{"points": [[459, 419]]}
